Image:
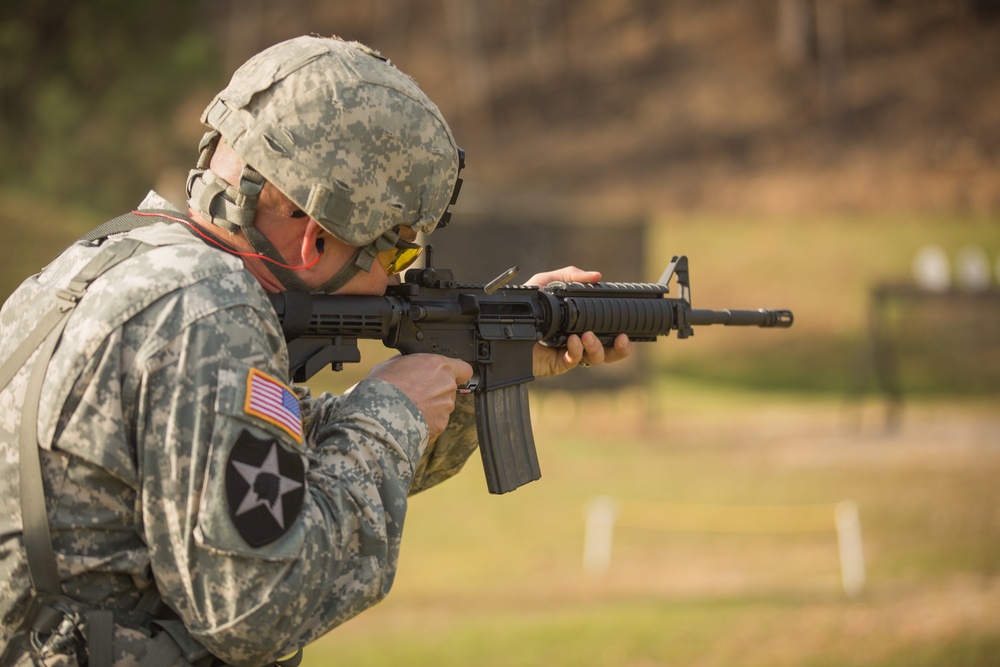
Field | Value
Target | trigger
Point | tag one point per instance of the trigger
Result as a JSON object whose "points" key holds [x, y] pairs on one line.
{"points": [[471, 385]]}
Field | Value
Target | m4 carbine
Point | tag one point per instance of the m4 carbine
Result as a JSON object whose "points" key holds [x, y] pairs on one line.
{"points": [[494, 328]]}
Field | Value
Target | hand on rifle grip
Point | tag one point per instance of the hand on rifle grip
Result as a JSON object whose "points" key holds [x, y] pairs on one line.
{"points": [[431, 381]]}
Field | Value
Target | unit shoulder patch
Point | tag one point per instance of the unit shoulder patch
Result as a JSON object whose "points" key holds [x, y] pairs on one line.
{"points": [[265, 488]]}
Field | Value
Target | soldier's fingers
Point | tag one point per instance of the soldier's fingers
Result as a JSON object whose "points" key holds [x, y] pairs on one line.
{"points": [[593, 351], [574, 351], [621, 348], [565, 274], [462, 370]]}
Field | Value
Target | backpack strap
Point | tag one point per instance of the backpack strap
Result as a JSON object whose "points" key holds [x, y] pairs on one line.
{"points": [[47, 606], [48, 609], [128, 222]]}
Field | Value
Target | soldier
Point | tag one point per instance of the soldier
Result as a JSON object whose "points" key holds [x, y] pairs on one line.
{"points": [[167, 497]]}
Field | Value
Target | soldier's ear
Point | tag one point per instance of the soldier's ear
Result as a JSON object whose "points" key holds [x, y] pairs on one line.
{"points": [[312, 241]]}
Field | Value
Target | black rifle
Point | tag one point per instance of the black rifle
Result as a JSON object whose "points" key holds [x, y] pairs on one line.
{"points": [[494, 327]]}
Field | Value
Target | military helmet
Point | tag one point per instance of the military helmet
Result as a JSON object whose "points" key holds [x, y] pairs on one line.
{"points": [[343, 134]]}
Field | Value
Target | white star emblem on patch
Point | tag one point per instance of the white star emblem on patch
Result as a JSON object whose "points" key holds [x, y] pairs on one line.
{"points": [[262, 479]]}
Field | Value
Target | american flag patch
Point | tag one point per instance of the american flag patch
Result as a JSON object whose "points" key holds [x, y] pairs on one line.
{"points": [[273, 402]]}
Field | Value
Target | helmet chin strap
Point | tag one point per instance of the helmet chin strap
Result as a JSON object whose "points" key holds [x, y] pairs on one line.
{"points": [[342, 277], [235, 208], [362, 260]]}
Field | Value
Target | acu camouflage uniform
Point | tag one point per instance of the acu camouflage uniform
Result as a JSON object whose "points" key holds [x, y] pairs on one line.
{"points": [[168, 475], [146, 418]]}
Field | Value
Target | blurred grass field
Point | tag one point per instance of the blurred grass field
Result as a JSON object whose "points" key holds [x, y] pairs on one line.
{"points": [[740, 418], [499, 580]]}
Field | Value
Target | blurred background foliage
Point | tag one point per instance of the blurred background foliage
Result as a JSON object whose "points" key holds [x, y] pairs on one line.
{"points": [[782, 107], [90, 93]]}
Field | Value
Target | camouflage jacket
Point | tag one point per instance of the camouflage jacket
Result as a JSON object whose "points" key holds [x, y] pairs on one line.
{"points": [[175, 457]]}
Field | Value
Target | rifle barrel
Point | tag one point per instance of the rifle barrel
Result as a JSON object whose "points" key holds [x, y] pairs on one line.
{"points": [[763, 317]]}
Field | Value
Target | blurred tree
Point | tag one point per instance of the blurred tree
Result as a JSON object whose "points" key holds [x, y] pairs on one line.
{"points": [[985, 10], [796, 31], [814, 31], [466, 38], [89, 91]]}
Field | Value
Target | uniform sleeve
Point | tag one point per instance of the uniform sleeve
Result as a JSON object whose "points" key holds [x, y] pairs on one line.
{"points": [[442, 459], [262, 535], [446, 456]]}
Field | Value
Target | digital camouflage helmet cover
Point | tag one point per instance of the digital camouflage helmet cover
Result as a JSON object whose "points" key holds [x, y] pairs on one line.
{"points": [[341, 132]]}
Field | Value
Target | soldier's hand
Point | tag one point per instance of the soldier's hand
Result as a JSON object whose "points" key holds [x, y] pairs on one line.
{"points": [[586, 349], [430, 380]]}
